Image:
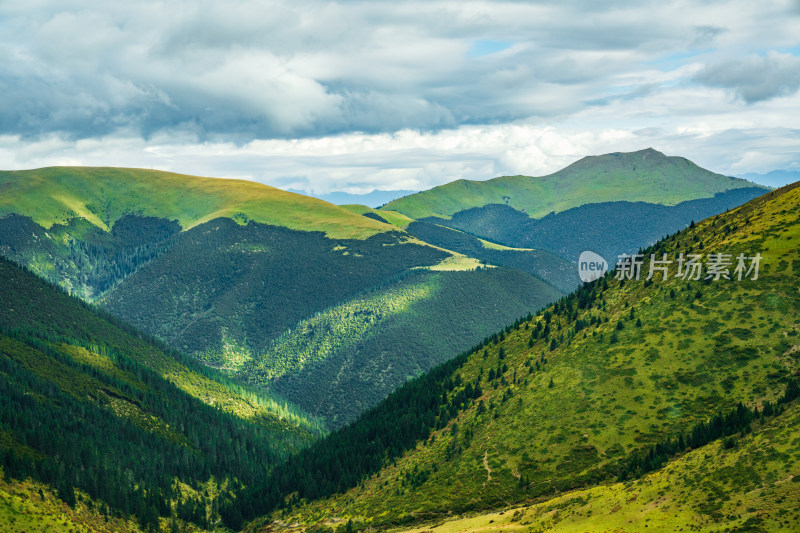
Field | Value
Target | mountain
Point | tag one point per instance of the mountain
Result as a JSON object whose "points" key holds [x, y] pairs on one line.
{"points": [[643, 176], [607, 228], [229, 279], [237, 273], [375, 198], [694, 380], [91, 406], [104, 195], [774, 178]]}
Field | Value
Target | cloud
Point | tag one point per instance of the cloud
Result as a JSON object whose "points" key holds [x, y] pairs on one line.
{"points": [[356, 95], [247, 69], [755, 78]]}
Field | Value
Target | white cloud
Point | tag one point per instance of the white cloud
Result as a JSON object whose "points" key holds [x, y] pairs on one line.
{"points": [[333, 95]]}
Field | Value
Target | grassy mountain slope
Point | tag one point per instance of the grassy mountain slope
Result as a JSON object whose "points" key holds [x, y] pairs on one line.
{"points": [[644, 176], [342, 361], [569, 398], [392, 217], [753, 481], [103, 195]]}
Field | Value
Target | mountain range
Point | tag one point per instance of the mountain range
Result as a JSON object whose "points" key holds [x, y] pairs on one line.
{"points": [[664, 404], [283, 291], [212, 353]]}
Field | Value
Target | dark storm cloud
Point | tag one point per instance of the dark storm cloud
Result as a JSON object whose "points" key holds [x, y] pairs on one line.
{"points": [[755, 78]]}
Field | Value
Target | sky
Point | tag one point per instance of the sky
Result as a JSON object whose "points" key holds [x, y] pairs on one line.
{"points": [[355, 96]]}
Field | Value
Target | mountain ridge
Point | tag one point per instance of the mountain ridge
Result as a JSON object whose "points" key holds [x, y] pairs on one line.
{"points": [[644, 175], [102, 195]]}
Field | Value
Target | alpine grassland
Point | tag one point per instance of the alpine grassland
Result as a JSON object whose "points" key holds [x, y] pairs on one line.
{"points": [[643, 176], [103, 195], [671, 399]]}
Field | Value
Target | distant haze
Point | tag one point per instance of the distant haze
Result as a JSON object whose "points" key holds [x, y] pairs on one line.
{"points": [[775, 178], [375, 198]]}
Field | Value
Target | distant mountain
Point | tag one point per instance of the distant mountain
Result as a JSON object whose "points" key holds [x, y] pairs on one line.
{"points": [[775, 178], [89, 404], [375, 198], [695, 380], [104, 195], [607, 228], [643, 176]]}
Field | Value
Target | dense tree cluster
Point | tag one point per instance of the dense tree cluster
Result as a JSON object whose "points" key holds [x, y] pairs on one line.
{"points": [[122, 434]]}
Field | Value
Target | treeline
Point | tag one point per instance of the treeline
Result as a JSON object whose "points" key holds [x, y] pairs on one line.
{"points": [[737, 421], [346, 457], [544, 265]]}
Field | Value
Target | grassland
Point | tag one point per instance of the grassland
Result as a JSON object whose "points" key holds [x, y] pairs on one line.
{"points": [[753, 483], [398, 220], [103, 195], [607, 373], [644, 176]]}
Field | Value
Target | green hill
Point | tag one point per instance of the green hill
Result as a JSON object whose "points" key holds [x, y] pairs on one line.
{"points": [[103, 195], [759, 470], [607, 385], [225, 290], [89, 404], [343, 360], [643, 176]]}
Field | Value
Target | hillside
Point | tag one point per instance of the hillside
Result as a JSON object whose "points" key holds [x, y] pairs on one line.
{"points": [[346, 359], [234, 291], [103, 195], [607, 228], [89, 403], [227, 289], [607, 385], [760, 469], [643, 176]]}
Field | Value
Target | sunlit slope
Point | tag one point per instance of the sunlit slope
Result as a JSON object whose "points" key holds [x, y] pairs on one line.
{"points": [[643, 176], [752, 481], [103, 195], [566, 399], [33, 309], [346, 359]]}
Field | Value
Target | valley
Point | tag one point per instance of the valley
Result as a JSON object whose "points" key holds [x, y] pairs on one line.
{"points": [[346, 376]]}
